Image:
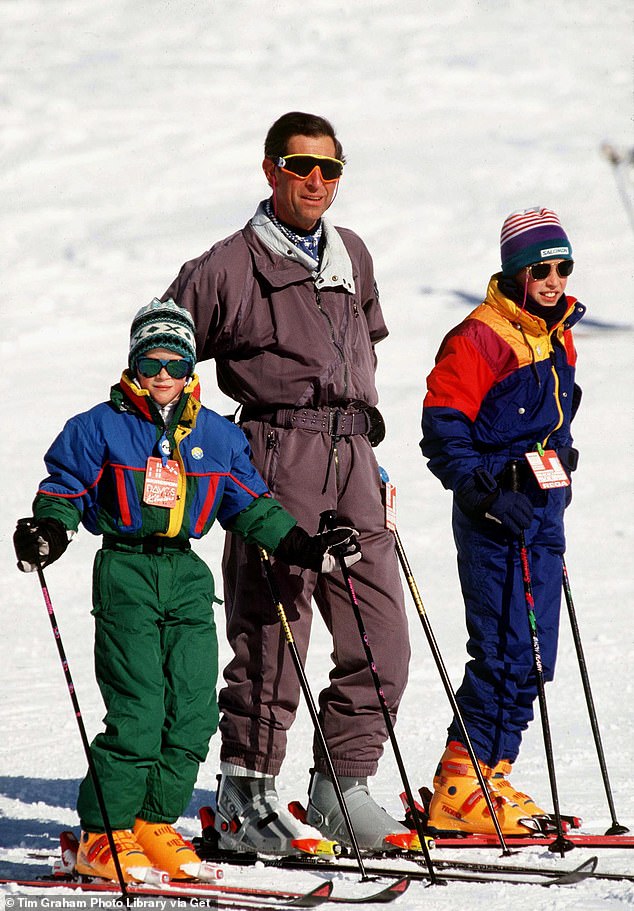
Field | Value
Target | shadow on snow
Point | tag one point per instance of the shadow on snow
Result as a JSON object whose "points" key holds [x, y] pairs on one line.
{"points": [[39, 833]]}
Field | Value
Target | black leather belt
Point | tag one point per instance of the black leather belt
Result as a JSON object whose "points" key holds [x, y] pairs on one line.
{"points": [[333, 421]]}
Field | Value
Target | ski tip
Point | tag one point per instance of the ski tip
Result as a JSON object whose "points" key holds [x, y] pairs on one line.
{"points": [[579, 873], [320, 847], [399, 886], [311, 899]]}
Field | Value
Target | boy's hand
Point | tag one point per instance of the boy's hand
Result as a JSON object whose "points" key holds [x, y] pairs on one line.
{"points": [[511, 509], [38, 542]]}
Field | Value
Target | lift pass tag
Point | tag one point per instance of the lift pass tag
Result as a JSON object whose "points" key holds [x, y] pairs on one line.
{"points": [[548, 469], [390, 506], [161, 482]]}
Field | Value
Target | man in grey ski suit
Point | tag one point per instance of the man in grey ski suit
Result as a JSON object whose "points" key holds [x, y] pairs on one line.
{"points": [[288, 308]]}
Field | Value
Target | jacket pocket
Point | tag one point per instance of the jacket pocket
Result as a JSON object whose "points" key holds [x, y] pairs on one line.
{"points": [[99, 596], [207, 506], [122, 496]]}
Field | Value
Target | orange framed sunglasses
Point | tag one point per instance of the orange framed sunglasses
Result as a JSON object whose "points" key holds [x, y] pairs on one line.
{"points": [[302, 166]]}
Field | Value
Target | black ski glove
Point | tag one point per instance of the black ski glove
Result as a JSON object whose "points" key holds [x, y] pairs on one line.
{"points": [[376, 433], [480, 497], [511, 509], [321, 552], [42, 542]]}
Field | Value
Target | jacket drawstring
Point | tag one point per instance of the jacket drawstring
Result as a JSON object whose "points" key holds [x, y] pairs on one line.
{"points": [[534, 369]]}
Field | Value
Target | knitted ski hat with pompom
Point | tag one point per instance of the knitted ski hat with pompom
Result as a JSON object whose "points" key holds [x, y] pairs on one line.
{"points": [[529, 236], [162, 324]]}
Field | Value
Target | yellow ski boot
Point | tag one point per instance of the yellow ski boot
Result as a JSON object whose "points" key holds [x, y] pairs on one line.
{"points": [[458, 803], [498, 776], [94, 857], [168, 850]]}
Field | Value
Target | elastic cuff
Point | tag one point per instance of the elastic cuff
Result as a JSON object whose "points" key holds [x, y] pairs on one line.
{"points": [[240, 771], [253, 765], [347, 768]]}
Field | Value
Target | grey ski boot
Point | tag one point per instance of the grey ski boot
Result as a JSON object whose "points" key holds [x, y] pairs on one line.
{"points": [[249, 818], [370, 822]]}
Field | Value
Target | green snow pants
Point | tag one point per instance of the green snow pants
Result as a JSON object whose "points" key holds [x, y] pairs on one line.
{"points": [[156, 662]]}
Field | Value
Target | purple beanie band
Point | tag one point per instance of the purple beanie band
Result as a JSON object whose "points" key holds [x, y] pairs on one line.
{"points": [[531, 236]]}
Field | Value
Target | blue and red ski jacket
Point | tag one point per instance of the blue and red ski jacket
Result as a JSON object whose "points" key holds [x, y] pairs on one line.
{"points": [[97, 467]]}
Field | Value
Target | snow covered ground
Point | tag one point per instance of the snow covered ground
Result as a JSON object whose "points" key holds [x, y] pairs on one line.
{"points": [[132, 139]]}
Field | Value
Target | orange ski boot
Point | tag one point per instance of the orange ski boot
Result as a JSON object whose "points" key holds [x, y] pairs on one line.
{"points": [[498, 776], [94, 857], [458, 803], [168, 850]]}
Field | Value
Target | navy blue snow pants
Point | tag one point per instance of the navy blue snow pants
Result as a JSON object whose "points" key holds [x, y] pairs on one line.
{"points": [[499, 686]]}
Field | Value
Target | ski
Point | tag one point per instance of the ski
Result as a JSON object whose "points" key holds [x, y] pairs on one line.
{"points": [[229, 897], [385, 865], [585, 870], [448, 871], [223, 894], [493, 872], [66, 868], [465, 840], [207, 848], [232, 897], [484, 867], [244, 898]]}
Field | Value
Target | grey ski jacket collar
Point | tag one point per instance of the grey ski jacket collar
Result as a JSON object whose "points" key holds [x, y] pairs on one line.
{"points": [[336, 266]]}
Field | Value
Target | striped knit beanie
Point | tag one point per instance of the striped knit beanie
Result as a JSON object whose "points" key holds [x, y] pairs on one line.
{"points": [[162, 324], [529, 236]]}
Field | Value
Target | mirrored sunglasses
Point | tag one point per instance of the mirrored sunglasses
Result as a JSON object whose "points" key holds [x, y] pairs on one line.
{"points": [[152, 366], [302, 166], [540, 271]]}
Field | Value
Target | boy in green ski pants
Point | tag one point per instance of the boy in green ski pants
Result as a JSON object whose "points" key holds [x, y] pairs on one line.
{"points": [[150, 469]]}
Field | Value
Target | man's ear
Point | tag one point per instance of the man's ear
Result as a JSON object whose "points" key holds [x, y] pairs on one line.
{"points": [[268, 166]]}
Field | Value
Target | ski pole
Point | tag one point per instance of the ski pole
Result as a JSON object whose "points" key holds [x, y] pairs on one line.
{"points": [[616, 828], [560, 844], [444, 676], [82, 731], [328, 519], [620, 163], [310, 702]]}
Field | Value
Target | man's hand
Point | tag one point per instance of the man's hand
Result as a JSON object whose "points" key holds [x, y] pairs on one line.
{"points": [[321, 552]]}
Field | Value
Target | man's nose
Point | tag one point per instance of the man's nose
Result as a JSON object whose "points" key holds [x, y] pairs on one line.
{"points": [[315, 179]]}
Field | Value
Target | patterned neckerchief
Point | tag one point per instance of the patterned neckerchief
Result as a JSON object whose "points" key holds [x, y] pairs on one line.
{"points": [[308, 242]]}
